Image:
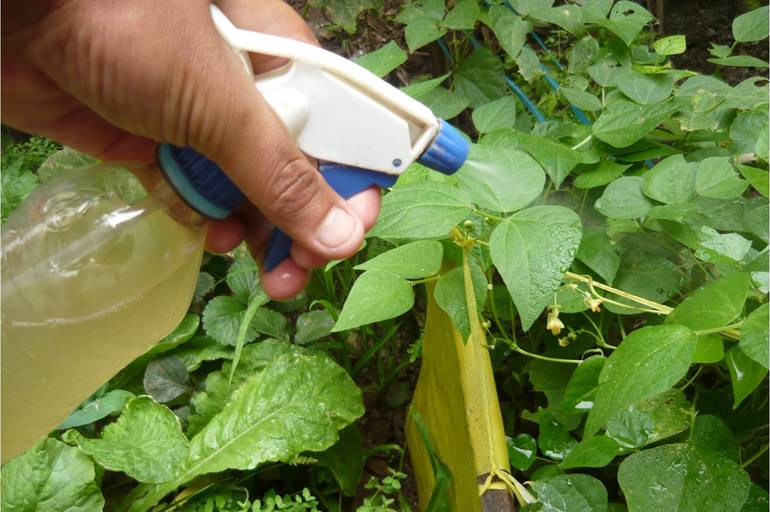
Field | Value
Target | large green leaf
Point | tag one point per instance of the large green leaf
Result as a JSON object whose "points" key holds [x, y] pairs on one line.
{"points": [[580, 390], [569, 17], [625, 123], [510, 30], [345, 459], [479, 77], [97, 409], [421, 210], [495, 115], [648, 362], [671, 45], [643, 88], [522, 451], [146, 442], [594, 452], [710, 433], [500, 179], [751, 26], [463, 15], [714, 305], [553, 437], [599, 254], [671, 181], [745, 374], [716, 178], [684, 478], [410, 261], [421, 31], [627, 19], [450, 296], [557, 159], [646, 275], [383, 60], [571, 493], [50, 477], [601, 174], [443, 103], [297, 404], [754, 335], [532, 249], [623, 199], [375, 296], [648, 421]]}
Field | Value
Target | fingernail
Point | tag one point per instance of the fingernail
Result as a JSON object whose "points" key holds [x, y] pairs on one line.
{"points": [[337, 228]]}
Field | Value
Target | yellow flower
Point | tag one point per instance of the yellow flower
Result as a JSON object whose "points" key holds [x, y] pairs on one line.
{"points": [[554, 324]]}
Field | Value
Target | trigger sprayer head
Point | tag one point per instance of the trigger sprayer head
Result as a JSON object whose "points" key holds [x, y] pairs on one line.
{"points": [[448, 151]]}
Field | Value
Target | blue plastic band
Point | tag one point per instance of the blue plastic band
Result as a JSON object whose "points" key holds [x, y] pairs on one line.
{"points": [[184, 188]]}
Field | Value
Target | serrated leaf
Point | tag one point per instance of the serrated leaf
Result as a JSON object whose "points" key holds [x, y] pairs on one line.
{"points": [[649, 361], [684, 478], [532, 249], [745, 374], [410, 261], [751, 26], [755, 335], [714, 305], [383, 60], [203, 286], [571, 493], [166, 379], [243, 278], [671, 45], [624, 199], [421, 210], [146, 442], [499, 179], [50, 477], [625, 123], [450, 296], [222, 318], [496, 115], [375, 296], [594, 452], [672, 180]]}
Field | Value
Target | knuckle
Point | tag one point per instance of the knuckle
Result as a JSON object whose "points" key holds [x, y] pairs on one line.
{"points": [[291, 187]]}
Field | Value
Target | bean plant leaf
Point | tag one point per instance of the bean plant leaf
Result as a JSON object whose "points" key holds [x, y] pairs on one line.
{"points": [[511, 32], [682, 477], [624, 199], [522, 451], [649, 361], [571, 493], [751, 26], [450, 296], [479, 77], [714, 305], [410, 261], [627, 19], [50, 477], [648, 421], [557, 159], [421, 31], [745, 374], [463, 15], [709, 348], [599, 254], [532, 249], [671, 181], [643, 88], [383, 60], [583, 383], [710, 433], [375, 296], [603, 173], [95, 410], [671, 45], [146, 442], [716, 178], [553, 438], [594, 452], [625, 123], [500, 180], [581, 99], [755, 335], [495, 115], [444, 103], [421, 210], [757, 500]]}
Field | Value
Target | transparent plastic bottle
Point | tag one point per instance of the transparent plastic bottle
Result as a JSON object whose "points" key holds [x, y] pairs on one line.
{"points": [[98, 264]]}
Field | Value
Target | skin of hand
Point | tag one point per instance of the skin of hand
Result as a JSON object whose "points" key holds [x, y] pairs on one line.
{"points": [[112, 78]]}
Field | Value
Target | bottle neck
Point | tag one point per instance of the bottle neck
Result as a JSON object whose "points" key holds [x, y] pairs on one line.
{"points": [[155, 183]]}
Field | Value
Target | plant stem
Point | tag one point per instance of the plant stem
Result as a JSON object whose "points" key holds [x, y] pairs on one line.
{"points": [[515, 346], [754, 457], [727, 328], [424, 280]]}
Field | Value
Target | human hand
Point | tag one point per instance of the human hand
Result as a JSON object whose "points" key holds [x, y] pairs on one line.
{"points": [[112, 78]]}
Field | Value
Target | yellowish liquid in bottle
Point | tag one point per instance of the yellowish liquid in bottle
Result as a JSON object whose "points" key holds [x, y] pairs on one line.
{"points": [[89, 283]]}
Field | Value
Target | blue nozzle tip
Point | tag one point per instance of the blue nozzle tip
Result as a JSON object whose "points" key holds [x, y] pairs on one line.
{"points": [[448, 151]]}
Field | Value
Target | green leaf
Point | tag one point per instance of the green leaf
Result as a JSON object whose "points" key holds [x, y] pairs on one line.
{"points": [[599, 254], [716, 178], [383, 60], [522, 451], [375, 296], [419, 88], [496, 115], [746, 130], [532, 249], [581, 99], [553, 437], [648, 421], [757, 500], [626, 20], [529, 64], [740, 61], [463, 15], [745, 374], [312, 325], [671, 45], [94, 410], [683, 478], [671, 181], [755, 335], [649, 361], [444, 103], [716, 304], [166, 379], [410, 261], [648, 276], [146, 442], [511, 32], [201, 349], [181, 334], [643, 88], [479, 77], [568, 17], [243, 278], [758, 178], [710, 433], [594, 452], [270, 323], [345, 12], [297, 404], [571, 493], [582, 54], [450, 296], [556, 158], [751, 26], [421, 210], [709, 348], [203, 286], [580, 390], [50, 477], [703, 92], [421, 31], [718, 248], [345, 459], [623, 199], [624, 123], [500, 179], [748, 94], [601, 174], [222, 319], [17, 183]]}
